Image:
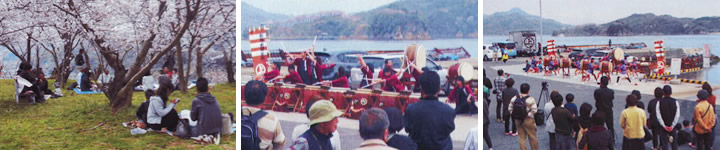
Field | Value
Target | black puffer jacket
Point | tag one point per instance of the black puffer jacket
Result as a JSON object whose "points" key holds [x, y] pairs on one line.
{"points": [[604, 99]]}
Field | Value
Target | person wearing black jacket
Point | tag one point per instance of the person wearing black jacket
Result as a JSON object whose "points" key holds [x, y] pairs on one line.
{"points": [[507, 94], [563, 119], [668, 114], [401, 142], [604, 103], [26, 73], [429, 122], [597, 137], [652, 119]]}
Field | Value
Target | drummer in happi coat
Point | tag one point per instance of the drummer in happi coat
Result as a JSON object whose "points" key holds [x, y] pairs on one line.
{"points": [[341, 81], [292, 77]]}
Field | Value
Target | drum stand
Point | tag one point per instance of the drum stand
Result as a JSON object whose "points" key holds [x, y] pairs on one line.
{"points": [[544, 92]]}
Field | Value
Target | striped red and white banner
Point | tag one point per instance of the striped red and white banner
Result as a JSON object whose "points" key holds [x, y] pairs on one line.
{"points": [[660, 54], [258, 48], [551, 48]]}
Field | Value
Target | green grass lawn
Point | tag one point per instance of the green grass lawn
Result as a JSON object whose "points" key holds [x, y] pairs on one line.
{"points": [[56, 123]]}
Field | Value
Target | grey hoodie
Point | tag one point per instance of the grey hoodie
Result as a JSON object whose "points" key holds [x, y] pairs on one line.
{"points": [[206, 111]]}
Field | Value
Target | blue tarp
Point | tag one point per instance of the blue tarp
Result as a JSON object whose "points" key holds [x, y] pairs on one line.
{"points": [[77, 90]]}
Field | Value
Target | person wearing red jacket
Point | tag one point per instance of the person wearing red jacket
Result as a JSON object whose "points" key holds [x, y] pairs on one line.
{"points": [[462, 96], [367, 70], [293, 77], [320, 67], [267, 76], [341, 81], [391, 81]]}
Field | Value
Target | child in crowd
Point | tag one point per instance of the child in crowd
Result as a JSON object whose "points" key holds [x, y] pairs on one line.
{"points": [[685, 135]]}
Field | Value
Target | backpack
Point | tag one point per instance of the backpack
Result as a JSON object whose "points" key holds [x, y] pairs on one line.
{"points": [[249, 132], [519, 109], [141, 112]]}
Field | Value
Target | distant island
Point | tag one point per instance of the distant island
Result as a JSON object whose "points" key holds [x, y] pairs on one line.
{"points": [[401, 20], [501, 23]]}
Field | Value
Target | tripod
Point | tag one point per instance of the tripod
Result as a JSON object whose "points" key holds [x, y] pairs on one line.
{"points": [[544, 95]]}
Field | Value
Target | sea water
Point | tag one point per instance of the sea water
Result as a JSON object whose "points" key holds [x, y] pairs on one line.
{"points": [[471, 45]]}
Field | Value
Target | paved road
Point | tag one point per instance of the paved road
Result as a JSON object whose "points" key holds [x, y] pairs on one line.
{"points": [[583, 94]]}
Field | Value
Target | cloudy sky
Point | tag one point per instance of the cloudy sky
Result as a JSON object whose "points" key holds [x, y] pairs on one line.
{"points": [[578, 12], [299, 7]]}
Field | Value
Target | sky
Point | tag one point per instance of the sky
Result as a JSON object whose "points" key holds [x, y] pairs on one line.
{"points": [[300, 7], [577, 12]]}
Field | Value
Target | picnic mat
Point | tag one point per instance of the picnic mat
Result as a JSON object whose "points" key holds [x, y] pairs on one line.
{"points": [[77, 90]]}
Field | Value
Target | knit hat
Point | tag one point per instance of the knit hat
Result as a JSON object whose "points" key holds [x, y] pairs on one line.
{"points": [[703, 95], [430, 82], [323, 111]]}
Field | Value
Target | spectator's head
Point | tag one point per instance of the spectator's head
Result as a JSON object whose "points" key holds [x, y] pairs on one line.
{"points": [[525, 89], [166, 87], [323, 116], [556, 98], [202, 85], [509, 82], [500, 72], [341, 71], [631, 100], [569, 98], [637, 94], [585, 109], [430, 83], [255, 92], [148, 94], [686, 123], [707, 87], [165, 69], [460, 81], [604, 81], [703, 95], [25, 66], [598, 118], [388, 63], [667, 90], [374, 124], [174, 70], [310, 102], [396, 119], [107, 71], [659, 92]]}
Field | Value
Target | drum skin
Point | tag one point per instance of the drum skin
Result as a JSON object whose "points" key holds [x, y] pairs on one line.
{"points": [[416, 53], [463, 69], [606, 66], [565, 62], [585, 64]]}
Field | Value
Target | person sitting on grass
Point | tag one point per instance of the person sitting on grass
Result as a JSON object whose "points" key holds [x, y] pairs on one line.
{"points": [[162, 116], [206, 111], [26, 73]]}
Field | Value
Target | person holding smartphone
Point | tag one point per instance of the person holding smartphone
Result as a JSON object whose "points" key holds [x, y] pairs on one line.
{"points": [[161, 115]]}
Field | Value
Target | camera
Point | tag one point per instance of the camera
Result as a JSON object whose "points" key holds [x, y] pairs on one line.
{"points": [[544, 85]]}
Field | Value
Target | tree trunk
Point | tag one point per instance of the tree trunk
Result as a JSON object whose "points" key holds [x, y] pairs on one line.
{"points": [[181, 74], [230, 70], [198, 64]]}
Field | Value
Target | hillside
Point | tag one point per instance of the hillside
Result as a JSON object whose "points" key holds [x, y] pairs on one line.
{"points": [[253, 16], [501, 23], [646, 24], [401, 20]]}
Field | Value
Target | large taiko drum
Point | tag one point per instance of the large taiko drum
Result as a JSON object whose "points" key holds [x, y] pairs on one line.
{"points": [[606, 67], [565, 63], [336, 95], [362, 99], [462, 69], [388, 99], [416, 54], [309, 92], [585, 64], [287, 96], [618, 54]]}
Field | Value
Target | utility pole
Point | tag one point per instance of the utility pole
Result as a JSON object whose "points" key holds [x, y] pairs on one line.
{"points": [[541, 30]]}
